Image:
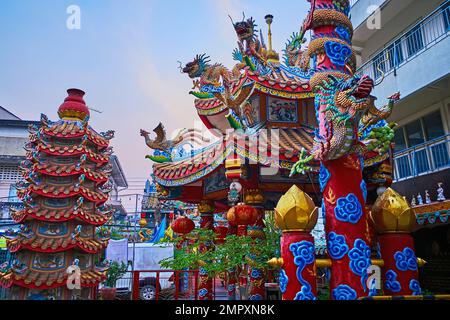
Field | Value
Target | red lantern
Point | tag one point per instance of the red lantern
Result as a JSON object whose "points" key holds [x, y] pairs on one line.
{"points": [[242, 215], [143, 215], [183, 225]]}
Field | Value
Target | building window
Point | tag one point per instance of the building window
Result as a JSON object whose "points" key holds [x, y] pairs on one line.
{"points": [[427, 128], [395, 54], [423, 157], [399, 140], [433, 126], [12, 195], [379, 64], [414, 133], [9, 173], [446, 15], [414, 40]]}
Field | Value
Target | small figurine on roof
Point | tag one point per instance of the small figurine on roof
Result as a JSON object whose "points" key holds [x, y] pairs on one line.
{"points": [[440, 192], [413, 201], [427, 197], [419, 199]]}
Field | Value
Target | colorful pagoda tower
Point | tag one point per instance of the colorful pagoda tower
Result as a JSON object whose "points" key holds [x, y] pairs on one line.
{"points": [[64, 190]]}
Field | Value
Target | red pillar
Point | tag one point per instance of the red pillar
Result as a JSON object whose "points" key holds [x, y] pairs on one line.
{"points": [[298, 280], [257, 276], [400, 271], [348, 235], [394, 220], [296, 215], [231, 274], [205, 286]]}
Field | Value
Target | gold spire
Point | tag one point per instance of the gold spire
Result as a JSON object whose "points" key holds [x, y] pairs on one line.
{"points": [[391, 213], [296, 211], [272, 56]]}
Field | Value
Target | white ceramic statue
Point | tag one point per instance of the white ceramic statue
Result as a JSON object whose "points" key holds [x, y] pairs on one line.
{"points": [[440, 192], [419, 199]]}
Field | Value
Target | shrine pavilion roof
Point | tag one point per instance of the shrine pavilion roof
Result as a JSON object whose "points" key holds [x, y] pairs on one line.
{"points": [[290, 141], [279, 80], [282, 78]]}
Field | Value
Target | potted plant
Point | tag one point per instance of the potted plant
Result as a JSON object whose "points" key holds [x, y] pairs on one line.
{"points": [[115, 271]]}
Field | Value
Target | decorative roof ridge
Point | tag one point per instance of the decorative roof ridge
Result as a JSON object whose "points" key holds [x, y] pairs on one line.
{"points": [[39, 243], [68, 170], [69, 191], [66, 151], [40, 213], [100, 139], [26, 278]]}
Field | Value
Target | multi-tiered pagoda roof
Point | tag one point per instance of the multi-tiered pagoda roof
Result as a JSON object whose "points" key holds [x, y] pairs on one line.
{"points": [[64, 190]]}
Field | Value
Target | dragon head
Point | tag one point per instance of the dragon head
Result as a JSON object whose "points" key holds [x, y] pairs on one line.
{"points": [[354, 93], [196, 68], [245, 29], [358, 88], [395, 97]]}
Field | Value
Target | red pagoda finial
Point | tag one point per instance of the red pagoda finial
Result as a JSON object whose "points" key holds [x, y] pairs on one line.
{"points": [[74, 107]]}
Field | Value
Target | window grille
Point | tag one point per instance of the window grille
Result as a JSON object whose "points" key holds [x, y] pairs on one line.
{"points": [[9, 173]]}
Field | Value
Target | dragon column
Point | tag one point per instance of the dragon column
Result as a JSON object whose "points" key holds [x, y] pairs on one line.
{"points": [[341, 99]]}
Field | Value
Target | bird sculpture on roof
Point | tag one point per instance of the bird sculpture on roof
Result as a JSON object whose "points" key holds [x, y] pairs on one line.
{"points": [[161, 143]]}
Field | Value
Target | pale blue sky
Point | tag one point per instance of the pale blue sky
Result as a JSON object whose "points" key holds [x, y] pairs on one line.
{"points": [[124, 57]]}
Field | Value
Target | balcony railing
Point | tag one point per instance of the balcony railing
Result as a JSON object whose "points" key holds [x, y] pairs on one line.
{"points": [[410, 43], [422, 159]]}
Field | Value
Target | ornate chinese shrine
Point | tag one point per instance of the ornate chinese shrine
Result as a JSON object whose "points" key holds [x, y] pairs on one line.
{"points": [[306, 120], [64, 190]]}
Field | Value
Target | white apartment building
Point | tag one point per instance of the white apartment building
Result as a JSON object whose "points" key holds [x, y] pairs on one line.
{"points": [[410, 52]]}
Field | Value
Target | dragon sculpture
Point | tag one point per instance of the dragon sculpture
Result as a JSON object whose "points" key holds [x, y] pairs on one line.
{"points": [[248, 40], [348, 104], [163, 147], [209, 79], [294, 55], [375, 115], [214, 81], [345, 102]]}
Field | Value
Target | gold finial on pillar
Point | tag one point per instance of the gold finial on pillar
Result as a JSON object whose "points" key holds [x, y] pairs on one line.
{"points": [[296, 211], [391, 213]]}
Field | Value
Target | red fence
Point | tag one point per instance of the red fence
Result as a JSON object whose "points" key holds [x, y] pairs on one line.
{"points": [[172, 284], [184, 284]]}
